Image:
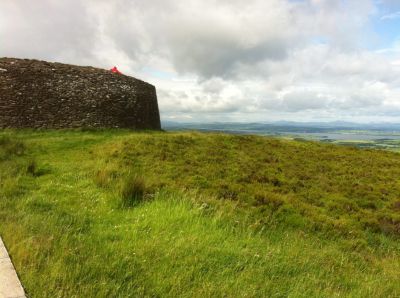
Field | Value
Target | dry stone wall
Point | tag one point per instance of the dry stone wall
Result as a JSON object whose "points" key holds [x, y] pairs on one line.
{"points": [[39, 94]]}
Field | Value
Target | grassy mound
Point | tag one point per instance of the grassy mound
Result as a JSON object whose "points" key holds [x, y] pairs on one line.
{"points": [[116, 213]]}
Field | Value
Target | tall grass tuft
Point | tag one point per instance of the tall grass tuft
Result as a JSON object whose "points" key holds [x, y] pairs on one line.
{"points": [[133, 190], [31, 168], [102, 178], [10, 147]]}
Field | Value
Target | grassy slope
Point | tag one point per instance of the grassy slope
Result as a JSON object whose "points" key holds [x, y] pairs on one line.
{"points": [[220, 215]]}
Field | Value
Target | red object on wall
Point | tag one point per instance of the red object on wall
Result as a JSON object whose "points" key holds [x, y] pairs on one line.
{"points": [[115, 70]]}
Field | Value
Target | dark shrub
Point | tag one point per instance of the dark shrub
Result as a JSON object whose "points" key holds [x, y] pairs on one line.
{"points": [[31, 168], [133, 190]]}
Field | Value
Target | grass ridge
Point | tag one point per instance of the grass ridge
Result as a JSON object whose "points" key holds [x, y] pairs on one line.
{"points": [[205, 215]]}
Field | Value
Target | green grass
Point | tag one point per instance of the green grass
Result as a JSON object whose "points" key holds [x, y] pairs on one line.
{"points": [[114, 213]]}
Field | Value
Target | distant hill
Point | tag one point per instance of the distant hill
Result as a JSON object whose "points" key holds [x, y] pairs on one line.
{"points": [[282, 126]]}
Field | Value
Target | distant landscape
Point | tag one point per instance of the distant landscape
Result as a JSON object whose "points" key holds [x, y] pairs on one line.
{"points": [[378, 136]]}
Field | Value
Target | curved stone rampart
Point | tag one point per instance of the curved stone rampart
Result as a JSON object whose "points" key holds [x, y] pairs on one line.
{"points": [[39, 94]]}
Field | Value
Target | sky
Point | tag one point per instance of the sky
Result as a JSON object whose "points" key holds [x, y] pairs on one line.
{"points": [[228, 60]]}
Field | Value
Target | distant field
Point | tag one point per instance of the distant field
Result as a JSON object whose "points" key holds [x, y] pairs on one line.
{"points": [[382, 144], [116, 213], [385, 137]]}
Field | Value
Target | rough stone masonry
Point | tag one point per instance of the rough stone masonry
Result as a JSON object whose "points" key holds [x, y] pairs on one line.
{"points": [[39, 94]]}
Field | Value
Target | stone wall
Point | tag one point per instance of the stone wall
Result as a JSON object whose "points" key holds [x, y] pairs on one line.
{"points": [[39, 94]]}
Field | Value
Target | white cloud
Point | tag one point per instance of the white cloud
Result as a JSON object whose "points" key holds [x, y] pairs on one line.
{"points": [[219, 59], [391, 16]]}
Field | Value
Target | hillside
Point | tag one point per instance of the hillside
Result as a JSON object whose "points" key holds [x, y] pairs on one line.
{"points": [[114, 213]]}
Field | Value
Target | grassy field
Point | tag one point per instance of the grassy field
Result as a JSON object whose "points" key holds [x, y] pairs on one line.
{"points": [[152, 214], [384, 144]]}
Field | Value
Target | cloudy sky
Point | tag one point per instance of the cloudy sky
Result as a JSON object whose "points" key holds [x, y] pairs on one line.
{"points": [[228, 60]]}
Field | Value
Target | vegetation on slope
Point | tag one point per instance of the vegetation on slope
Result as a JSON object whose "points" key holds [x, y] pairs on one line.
{"points": [[116, 213]]}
